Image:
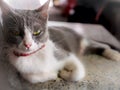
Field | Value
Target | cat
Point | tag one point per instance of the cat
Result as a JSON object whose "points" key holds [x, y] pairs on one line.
{"points": [[41, 53]]}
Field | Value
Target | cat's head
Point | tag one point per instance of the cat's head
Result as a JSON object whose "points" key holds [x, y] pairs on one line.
{"points": [[25, 30]]}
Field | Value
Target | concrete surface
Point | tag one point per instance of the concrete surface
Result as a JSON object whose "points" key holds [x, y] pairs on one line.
{"points": [[102, 74]]}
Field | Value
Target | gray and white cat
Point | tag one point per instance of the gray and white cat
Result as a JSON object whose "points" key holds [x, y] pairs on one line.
{"points": [[42, 53]]}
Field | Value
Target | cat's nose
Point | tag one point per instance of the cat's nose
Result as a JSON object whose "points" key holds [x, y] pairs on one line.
{"points": [[28, 45]]}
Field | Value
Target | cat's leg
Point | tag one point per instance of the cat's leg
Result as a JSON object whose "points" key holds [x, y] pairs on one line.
{"points": [[73, 69], [111, 54], [104, 50]]}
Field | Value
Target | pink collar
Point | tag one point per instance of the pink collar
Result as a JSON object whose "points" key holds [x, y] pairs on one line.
{"points": [[27, 54]]}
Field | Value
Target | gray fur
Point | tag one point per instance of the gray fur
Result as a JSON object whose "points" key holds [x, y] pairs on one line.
{"points": [[65, 38], [16, 20]]}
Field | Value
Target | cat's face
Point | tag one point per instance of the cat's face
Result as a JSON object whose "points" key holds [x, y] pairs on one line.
{"points": [[25, 30]]}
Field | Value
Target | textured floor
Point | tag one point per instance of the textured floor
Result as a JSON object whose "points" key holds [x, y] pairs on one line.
{"points": [[102, 74]]}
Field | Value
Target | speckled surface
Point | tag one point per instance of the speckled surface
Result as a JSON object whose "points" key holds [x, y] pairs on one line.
{"points": [[102, 74]]}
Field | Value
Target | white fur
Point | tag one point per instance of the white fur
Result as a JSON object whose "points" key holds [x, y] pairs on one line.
{"points": [[43, 66], [28, 40], [73, 69], [83, 45], [36, 64]]}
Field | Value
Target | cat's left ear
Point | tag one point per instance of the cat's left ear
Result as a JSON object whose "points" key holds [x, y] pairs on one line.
{"points": [[44, 9]]}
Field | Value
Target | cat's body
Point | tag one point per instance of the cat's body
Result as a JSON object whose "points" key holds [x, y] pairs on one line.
{"points": [[40, 53], [48, 62], [33, 50]]}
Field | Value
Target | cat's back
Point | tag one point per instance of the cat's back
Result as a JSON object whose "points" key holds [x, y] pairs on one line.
{"points": [[65, 38]]}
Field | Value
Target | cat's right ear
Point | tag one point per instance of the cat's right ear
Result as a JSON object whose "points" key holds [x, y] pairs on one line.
{"points": [[5, 9]]}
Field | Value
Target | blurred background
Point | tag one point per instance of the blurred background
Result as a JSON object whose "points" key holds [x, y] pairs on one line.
{"points": [[103, 12]]}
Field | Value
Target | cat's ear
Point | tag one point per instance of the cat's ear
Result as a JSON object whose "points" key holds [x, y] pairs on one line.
{"points": [[44, 9], [5, 8]]}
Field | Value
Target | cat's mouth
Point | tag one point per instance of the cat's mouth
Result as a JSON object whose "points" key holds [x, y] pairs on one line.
{"points": [[18, 54]]}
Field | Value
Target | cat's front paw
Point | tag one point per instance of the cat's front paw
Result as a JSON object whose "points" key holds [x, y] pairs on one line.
{"points": [[72, 72], [66, 75]]}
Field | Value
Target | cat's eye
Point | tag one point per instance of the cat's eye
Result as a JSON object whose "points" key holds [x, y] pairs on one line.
{"points": [[16, 33], [36, 33]]}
